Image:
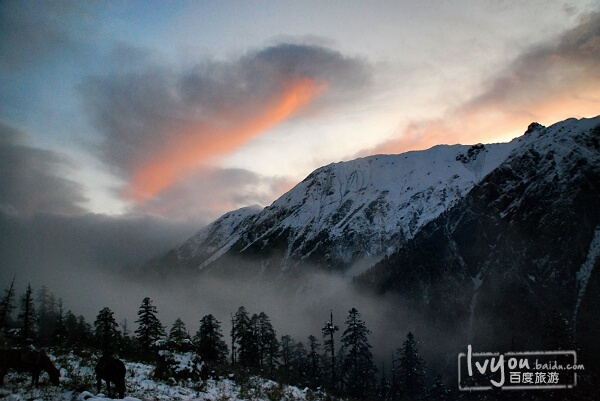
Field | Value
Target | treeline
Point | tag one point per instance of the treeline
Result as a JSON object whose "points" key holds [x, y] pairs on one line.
{"points": [[345, 369]]}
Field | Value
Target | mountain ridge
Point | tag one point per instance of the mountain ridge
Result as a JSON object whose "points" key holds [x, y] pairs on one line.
{"points": [[346, 212], [345, 198], [521, 245]]}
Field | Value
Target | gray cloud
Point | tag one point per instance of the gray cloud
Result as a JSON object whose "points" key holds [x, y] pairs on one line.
{"points": [[31, 31], [548, 82], [571, 61], [211, 192], [81, 258], [32, 180], [142, 107]]}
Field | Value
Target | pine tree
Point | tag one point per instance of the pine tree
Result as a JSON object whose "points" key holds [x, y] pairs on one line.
{"points": [[233, 342], [127, 345], [439, 391], [149, 330], [106, 333], [410, 367], [383, 390], [209, 341], [179, 336], [52, 310], [7, 305], [27, 317], [83, 332], [79, 332], [61, 333], [329, 347], [299, 365], [394, 382], [71, 326], [359, 369], [339, 367], [287, 355], [46, 313], [268, 346], [314, 361], [244, 331]]}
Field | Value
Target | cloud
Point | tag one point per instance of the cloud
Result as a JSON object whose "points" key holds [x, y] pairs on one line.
{"points": [[547, 83], [211, 192], [31, 31], [159, 124], [565, 69], [32, 180], [81, 257]]}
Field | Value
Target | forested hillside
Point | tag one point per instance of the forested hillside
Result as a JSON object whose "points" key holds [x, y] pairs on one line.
{"points": [[338, 362]]}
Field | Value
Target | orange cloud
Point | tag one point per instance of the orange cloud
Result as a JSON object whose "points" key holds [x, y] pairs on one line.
{"points": [[493, 122], [547, 84], [195, 146]]}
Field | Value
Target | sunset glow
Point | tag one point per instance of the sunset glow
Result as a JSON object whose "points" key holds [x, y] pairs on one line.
{"points": [[495, 121], [201, 144], [236, 98]]}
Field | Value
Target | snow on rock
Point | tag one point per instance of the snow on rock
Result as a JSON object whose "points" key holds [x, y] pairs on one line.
{"points": [[352, 210], [87, 396], [348, 215], [218, 236]]}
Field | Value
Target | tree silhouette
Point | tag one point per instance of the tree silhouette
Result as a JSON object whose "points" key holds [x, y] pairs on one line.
{"points": [[329, 346], [268, 346], [179, 336], [209, 341], [410, 369], [27, 317], [106, 331], [359, 369], [244, 332], [7, 304], [149, 328], [314, 360]]}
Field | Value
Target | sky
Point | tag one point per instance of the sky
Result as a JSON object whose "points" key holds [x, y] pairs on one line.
{"points": [[187, 110], [130, 124]]}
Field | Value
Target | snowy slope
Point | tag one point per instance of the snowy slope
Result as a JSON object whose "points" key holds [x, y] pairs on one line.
{"points": [[78, 383], [346, 213], [216, 238]]}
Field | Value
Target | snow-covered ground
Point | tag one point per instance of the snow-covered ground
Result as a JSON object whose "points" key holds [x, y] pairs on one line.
{"points": [[78, 383]]}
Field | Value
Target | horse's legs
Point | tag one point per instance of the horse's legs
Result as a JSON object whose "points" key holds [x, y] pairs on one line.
{"points": [[108, 388], [98, 384]]}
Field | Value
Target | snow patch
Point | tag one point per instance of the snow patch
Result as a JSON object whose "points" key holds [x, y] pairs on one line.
{"points": [[141, 385]]}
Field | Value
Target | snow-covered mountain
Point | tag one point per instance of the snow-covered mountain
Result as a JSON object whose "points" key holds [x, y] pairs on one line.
{"points": [[347, 211], [348, 215], [521, 248]]}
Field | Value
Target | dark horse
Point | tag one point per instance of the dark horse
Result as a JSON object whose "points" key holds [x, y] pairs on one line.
{"points": [[27, 360], [111, 369]]}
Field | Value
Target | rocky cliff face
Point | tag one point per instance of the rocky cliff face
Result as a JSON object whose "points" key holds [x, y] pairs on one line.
{"points": [[345, 216], [519, 248]]}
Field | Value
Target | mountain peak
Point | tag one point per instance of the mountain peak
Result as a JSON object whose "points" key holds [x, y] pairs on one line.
{"points": [[346, 212], [533, 127]]}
